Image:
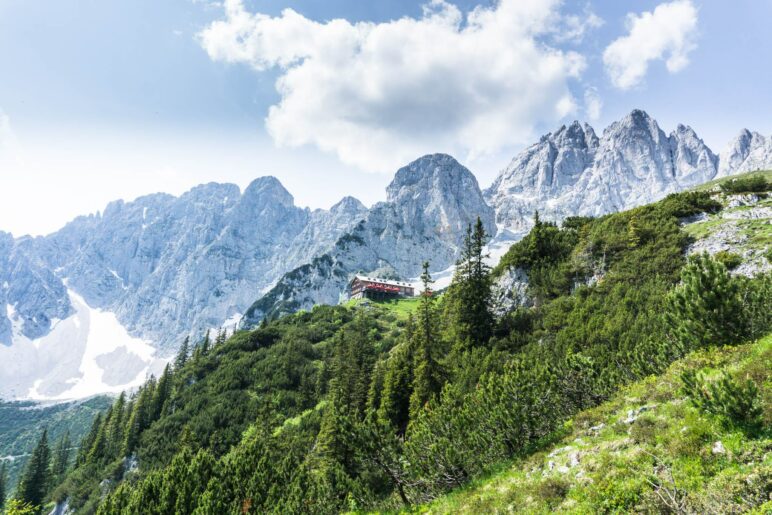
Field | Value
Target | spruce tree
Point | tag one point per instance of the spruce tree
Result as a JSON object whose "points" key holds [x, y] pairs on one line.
{"points": [[61, 457], [88, 441], [34, 482], [116, 428], [182, 354], [394, 408], [427, 380], [162, 393], [471, 292]]}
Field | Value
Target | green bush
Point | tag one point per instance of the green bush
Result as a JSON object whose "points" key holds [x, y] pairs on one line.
{"points": [[752, 184], [730, 260], [735, 403]]}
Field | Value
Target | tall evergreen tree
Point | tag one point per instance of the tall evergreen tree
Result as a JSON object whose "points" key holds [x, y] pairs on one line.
{"points": [[182, 354], [35, 481], [162, 393], [88, 440], [117, 426], [471, 292], [427, 380], [394, 407], [61, 457]]}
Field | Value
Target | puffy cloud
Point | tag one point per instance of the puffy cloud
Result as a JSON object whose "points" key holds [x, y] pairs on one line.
{"points": [[669, 32], [379, 94]]}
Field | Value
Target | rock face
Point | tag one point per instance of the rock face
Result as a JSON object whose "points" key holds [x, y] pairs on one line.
{"points": [[169, 266], [31, 296], [429, 204], [747, 152], [166, 266], [573, 172]]}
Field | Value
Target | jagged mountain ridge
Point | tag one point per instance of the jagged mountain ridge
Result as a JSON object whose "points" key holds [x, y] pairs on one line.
{"points": [[573, 172], [170, 266], [165, 266]]}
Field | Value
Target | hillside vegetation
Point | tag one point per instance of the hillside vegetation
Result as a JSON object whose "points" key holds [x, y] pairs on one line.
{"points": [[381, 407], [651, 448]]}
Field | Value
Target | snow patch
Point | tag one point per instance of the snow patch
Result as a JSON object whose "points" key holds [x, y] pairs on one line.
{"points": [[88, 353]]}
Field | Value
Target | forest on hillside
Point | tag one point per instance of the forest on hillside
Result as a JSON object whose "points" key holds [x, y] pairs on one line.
{"points": [[357, 408]]}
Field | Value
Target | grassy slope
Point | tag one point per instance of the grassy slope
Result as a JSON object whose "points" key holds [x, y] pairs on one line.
{"points": [[605, 464], [400, 307], [767, 174]]}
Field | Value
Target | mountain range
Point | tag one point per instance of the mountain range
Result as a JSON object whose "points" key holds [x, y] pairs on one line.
{"points": [[97, 305]]}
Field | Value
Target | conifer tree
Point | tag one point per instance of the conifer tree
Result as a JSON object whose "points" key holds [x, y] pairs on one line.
{"points": [[98, 451], [35, 481], [427, 380], [205, 344], [116, 428], [182, 354], [140, 417], [161, 394], [706, 308], [394, 405], [61, 457], [470, 293], [88, 441]]}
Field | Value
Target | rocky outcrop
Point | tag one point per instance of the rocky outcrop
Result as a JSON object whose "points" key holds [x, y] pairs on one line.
{"points": [[510, 291]]}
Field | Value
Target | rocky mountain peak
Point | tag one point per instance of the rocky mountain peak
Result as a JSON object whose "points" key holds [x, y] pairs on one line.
{"points": [[348, 204], [572, 171], [424, 173], [748, 151], [267, 189]]}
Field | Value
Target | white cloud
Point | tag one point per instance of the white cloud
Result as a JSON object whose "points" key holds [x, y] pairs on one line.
{"points": [[593, 104], [669, 32], [379, 94]]}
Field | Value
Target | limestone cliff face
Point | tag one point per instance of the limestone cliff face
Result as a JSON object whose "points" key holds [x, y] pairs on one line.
{"points": [[573, 172], [748, 151]]}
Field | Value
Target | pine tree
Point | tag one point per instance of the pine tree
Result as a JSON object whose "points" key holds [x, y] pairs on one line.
{"points": [[222, 335], [116, 428], [205, 344], [140, 417], [471, 292], [427, 380], [61, 457], [182, 354], [162, 393], [35, 481], [98, 451], [88, 441], [394, 405], [706, 308]]}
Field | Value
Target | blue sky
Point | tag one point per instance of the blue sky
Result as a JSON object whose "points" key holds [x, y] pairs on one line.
{"points": [[114, 99]]}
